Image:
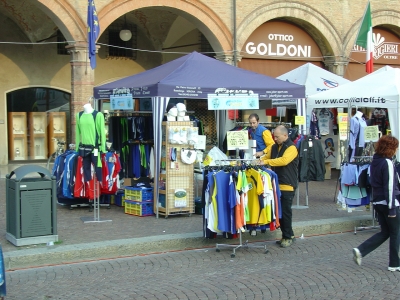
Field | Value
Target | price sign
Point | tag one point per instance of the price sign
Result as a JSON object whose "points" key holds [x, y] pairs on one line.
{"points": [[237, 140], [299, 120], [343, 126], [371, 133]]}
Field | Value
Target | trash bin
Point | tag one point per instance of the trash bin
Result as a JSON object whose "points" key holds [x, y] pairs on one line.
{"points": [[31, 206]]}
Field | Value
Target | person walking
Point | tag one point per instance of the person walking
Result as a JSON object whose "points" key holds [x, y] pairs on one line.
{"points": [[283, 160], [385, 194], [261, 135]]}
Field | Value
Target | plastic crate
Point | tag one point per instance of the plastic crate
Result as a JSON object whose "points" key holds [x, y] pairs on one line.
{"points": [[138, 194], [119, 199], [141, 209]]}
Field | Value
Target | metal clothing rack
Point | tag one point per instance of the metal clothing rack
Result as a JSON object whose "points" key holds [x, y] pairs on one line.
{"points": [[364, 160], [272, 124], [128, 113], [241, 244], [96, 205]]}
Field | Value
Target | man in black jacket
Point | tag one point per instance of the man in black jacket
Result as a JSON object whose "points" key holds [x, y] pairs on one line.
{"points": [[283, 159]]}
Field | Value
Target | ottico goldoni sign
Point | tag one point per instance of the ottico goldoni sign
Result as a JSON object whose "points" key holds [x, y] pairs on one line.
{"points": [[277, 40]]}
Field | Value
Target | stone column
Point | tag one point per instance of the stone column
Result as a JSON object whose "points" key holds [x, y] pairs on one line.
{"points": [[337, 66], [82, 82], [228, 58]]}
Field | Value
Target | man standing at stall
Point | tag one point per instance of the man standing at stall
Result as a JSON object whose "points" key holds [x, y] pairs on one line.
{"points": [[261, 135], [283, 160]]}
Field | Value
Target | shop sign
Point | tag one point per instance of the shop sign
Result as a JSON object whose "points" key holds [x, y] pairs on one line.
{"points": [[277, 39], [279, 49], [386, 48], [237, 140], [227, 101], [121, 102]]}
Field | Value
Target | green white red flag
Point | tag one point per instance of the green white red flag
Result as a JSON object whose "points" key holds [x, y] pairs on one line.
{"points": [[365, 39]]}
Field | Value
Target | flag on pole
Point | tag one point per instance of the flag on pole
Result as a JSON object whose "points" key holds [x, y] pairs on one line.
{"points": [[93, 32], [365, 40]]}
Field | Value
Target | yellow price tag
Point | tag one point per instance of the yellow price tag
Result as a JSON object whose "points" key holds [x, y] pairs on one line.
{"points": [[299, 120]]}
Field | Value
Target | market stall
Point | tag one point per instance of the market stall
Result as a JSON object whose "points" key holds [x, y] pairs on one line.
{"points": [[380, 89], [194, 76], [317, 80]]}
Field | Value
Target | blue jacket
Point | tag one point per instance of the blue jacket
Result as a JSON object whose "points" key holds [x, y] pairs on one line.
{"points": [[258, 136], [384, 181]]}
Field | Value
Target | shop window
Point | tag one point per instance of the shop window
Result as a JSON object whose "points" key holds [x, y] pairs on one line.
{"points": [[61, 43], [36, 117], [118, 48]]}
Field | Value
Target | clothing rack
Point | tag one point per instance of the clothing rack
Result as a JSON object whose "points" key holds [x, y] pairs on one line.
{"points": [[361, 160], [270, 124], [128, 113], [241, 244], [96, 205]]}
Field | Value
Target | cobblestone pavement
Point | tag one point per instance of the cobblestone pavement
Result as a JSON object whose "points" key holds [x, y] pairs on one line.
{"points": [[71, 230], [313, 268]]}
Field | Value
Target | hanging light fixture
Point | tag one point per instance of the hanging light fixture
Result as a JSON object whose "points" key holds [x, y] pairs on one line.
{"points": [[125, 34]]}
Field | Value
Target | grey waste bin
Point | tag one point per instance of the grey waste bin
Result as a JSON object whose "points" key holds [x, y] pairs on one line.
{"points": [[31, 211]]}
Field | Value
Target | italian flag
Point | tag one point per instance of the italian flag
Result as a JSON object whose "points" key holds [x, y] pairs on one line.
{"points": [[364, 39]]}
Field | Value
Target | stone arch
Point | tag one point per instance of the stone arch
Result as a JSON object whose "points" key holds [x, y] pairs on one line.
{"points": [[387, 19], [318, 26], [67, 19], [208, 22]]}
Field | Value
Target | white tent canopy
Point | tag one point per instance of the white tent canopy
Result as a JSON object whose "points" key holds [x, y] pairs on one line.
{"points": [[314, 78], [378, 89]]}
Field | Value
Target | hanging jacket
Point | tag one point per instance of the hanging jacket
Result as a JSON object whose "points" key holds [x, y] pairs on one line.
{"points": [[312, 160]]}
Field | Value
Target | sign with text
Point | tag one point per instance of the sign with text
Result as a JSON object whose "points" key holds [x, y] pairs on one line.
{"points": [[201, 143], [299, 120], [343, 126], [237, 140], [226, 101], [121, 102], [371, 133]]}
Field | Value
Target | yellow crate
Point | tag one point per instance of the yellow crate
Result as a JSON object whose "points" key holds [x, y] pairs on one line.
{"points": [[138, 194], [141, 209]]}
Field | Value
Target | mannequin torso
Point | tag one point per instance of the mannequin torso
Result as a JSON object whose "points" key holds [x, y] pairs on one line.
{"points": [[87, 108], [358, 114]]}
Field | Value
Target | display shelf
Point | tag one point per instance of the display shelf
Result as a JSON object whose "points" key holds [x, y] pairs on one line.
{"points": [[37, 135], [56, 129], [17, 136], [176, 179]]}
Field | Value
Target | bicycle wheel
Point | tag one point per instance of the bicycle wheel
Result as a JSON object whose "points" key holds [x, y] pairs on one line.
{"points": [[51, 161]]}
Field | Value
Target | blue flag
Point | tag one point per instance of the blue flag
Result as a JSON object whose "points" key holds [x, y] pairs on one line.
{"points": [[93, 32]]}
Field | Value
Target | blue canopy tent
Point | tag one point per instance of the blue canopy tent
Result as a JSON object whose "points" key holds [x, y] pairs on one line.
{"points": [[194, 76]]}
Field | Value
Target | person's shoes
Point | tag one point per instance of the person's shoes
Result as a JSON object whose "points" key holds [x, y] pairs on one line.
{"points": [[357, 256], [286, 243], [280, 241], [394, 269]]}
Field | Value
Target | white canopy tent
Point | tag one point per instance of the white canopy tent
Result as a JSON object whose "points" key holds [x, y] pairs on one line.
{"points": [[315, 80], [378, 89]]}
